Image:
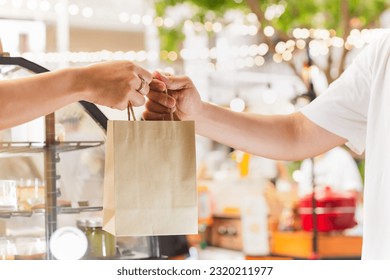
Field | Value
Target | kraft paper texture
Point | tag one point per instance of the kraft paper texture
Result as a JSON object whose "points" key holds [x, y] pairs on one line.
{"points": [[150, 178]]}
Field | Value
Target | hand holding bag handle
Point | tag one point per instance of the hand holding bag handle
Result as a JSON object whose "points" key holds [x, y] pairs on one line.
{"points": [[130, 110]]}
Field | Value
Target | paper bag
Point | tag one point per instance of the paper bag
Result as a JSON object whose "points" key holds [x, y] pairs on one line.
{"points": [[150, 178]]}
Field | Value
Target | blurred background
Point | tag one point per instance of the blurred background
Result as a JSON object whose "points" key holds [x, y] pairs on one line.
{"points": [[267, 57]]}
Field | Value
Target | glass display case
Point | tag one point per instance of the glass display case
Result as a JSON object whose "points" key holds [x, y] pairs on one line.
{"points": [[51, 176]]}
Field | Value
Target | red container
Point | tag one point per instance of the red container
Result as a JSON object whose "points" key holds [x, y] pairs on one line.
{"points": [[335, 210]]}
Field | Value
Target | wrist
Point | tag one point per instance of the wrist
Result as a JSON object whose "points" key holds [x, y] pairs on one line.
{"points": [[70, 84], [203, 117], [201, 114], [78, 83]]}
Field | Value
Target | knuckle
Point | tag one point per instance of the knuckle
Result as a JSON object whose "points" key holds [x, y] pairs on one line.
{"points": [[132, 76], [147, 115], [142, 102], [121, 105], [145, 89], [149, 106], [188, 79], [138, 101], [149, 78], [130, 65]]}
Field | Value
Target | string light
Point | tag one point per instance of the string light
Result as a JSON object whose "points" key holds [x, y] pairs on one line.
{"points": [[236, 54], [32, 4], [87, 12], [259, 60], [252, 50], [287, 56], [208, 26], [249, 62], [168, 22], [251, 17], [135, 19], [73, 9], [124, 17], [252, 30], [269, 31], [60, 8], [147, 20], [237, 105], [45, 6], [301, 44], [158, 21], [172, 56], [274, 11], [280, 47], [17, 3], [277, 57]]}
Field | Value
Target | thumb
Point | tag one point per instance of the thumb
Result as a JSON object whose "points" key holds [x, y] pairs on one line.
{"points": [[173, 82]]}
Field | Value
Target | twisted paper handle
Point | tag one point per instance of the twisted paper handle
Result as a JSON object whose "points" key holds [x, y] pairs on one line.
{"points": [[170, 110], [130, 109]]}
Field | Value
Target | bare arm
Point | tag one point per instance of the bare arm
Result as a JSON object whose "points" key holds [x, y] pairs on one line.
{"points": [[28, 98], [280, 137], [110, 84]]}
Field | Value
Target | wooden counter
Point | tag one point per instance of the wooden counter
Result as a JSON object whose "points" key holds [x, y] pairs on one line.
{"points": [[298, 245]]}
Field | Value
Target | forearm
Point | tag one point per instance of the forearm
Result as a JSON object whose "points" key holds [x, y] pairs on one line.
{"points": [[283, 137], [31, 97]]}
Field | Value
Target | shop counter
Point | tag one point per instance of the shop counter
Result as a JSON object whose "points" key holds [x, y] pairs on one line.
{"points": [[299, 244]]}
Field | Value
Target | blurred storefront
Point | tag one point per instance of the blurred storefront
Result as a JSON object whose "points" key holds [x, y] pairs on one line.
{"points": [[249, 207]]}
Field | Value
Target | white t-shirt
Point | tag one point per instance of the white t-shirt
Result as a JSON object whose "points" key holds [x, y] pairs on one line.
{"points": [[357, 108], [336, 168]]}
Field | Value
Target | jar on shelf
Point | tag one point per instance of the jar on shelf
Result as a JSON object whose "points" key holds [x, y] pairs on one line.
{"points": [[7, 249], [82, 225], [8, 197], [30, 193], [101, 244], [30, 248]]}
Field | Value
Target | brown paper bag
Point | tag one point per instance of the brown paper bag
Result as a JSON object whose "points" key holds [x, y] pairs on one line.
{"points": [[150, 178]]}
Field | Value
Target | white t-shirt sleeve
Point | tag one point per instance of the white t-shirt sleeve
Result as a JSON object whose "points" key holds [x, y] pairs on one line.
{"points": [[343, 108]]}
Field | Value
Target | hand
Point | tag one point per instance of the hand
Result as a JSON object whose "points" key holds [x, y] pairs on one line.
{"points": [[114, 84], [183, 98]]}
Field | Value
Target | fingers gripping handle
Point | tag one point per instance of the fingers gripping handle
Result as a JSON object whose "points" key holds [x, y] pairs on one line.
{"points": [[170, 110], [130, 110]]}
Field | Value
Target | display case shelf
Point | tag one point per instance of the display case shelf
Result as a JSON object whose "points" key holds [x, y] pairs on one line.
{"points": [[76, 210], [39, 147], [7, 214]]}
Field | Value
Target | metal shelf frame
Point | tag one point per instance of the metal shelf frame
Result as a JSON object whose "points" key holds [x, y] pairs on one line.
{"points": [[39, 147]]}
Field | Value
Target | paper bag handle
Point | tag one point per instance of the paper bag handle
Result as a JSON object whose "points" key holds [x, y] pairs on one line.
{"points": [[170, 111], [130, 110]]}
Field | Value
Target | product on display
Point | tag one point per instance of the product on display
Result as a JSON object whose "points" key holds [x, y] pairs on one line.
{"points": [[335, 210]]}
